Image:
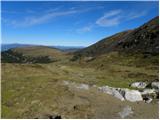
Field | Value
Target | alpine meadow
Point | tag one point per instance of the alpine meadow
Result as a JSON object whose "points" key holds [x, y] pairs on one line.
{"points": [[80, 60]]}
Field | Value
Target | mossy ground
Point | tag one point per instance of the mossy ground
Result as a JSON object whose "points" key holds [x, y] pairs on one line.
{"points": [[29, 90]]}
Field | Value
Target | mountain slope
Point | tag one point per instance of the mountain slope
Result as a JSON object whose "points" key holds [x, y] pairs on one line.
{"points": [[143, 39]]}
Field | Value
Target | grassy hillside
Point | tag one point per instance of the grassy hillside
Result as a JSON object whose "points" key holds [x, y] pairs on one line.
{"points": [[38, 51], [32, 54], [144, 39]]}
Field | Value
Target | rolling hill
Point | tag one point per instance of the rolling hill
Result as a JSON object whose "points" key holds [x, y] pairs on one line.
{"points": [[32, 54]]}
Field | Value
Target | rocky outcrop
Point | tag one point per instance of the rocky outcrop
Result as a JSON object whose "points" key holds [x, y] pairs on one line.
{"points": [[122, 93], [146, 95]]}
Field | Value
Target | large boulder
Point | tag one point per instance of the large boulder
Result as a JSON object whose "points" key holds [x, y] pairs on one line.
{"points": [[155, 85], [133, 95], [139, 85]]}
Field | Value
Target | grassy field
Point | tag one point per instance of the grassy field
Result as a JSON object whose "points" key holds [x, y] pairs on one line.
{"points": [[32, 90]]}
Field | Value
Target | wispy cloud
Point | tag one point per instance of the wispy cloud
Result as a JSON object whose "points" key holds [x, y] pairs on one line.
{"points": [[34, 20], [134, 15], [111, 18], [85, 29], [115, 17]]}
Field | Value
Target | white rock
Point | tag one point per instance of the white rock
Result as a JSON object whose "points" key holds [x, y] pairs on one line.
{"points": [[139, 85], [155, 85], [133, 95]]}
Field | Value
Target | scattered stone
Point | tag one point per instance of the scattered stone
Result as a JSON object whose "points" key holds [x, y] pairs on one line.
{"points": [[155, 85], [127, 111], [133, 95], [139, 85], [120, 93]]}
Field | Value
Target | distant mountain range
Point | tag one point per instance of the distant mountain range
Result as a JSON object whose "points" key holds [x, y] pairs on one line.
{"points": [[5, 47]]}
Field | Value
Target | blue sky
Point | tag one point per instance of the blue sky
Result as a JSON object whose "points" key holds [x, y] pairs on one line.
{"points": [[71, 23]]}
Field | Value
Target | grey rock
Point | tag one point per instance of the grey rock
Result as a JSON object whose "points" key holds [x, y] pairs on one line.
{"points": [[133, 95]]}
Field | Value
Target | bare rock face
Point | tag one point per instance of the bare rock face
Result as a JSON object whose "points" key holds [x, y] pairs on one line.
{"points": [[139, 85]]}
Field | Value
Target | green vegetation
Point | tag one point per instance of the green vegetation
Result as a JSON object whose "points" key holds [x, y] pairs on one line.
{"points": [[28, 89], [34, 89]]}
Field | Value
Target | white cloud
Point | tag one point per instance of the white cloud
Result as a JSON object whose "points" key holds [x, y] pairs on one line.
{"points": [[134, 15], [85, 29], [42, 17], [34, 20], [115, 17], [111, 18]]}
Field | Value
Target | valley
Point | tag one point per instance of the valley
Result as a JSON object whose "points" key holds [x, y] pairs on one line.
{"points": [[35, 88]]}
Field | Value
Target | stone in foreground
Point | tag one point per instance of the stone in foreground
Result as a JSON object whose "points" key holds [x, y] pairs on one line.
{"points": [[133, 95]]}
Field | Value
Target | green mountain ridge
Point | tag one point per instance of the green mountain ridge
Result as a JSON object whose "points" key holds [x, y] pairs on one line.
{"points": [[144, 39]]}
